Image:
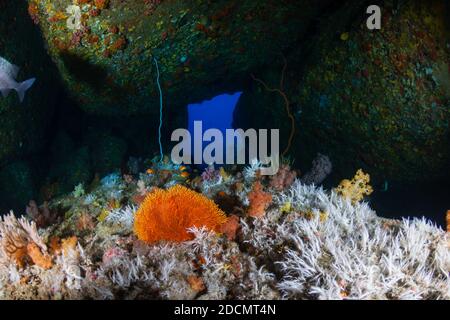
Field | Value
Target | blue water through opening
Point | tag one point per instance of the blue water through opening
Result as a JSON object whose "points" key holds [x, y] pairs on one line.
{"points": [[216, 113]]}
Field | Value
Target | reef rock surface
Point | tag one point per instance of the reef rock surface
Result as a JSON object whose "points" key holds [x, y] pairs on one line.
{"points": [[381, 99], [202, 47]]}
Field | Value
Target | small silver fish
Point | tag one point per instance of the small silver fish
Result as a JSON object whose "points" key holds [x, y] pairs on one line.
{"points": [[8, 75]]}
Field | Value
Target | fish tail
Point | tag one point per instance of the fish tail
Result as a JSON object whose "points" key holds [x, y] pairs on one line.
{"points": [[23, 87]]}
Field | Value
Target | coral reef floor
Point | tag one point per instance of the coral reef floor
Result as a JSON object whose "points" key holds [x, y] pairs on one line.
{"points": [[272, 238]]}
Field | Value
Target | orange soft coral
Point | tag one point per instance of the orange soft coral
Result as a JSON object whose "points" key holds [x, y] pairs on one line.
{"points": [[231, 227], [40, 259], [259, 201], [167, 214]]}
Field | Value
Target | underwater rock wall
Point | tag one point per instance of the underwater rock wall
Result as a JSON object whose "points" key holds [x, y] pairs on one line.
{"points": [[381, 100], [23, 126], [377, 100], [202, 47]]}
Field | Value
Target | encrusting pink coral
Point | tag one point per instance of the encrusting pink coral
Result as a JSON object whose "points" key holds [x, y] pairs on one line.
{"points": [[284, 178]]}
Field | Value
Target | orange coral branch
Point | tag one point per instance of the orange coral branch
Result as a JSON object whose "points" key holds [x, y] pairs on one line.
{"points": [[281, 92]]}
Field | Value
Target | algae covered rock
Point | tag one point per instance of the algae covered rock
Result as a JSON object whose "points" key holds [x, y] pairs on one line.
{"points": [[380, 99], [23, 125], [107, 50]]}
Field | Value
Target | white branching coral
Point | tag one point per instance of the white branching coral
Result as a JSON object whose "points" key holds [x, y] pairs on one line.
{"points": [[352, 253], [310, 244], [89, 199], [251, 171], [206, 267], [123, 217]]}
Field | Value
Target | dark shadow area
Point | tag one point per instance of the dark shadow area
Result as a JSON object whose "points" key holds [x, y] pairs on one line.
{"points": [[429, 201], [93, 75], [84, 71]]}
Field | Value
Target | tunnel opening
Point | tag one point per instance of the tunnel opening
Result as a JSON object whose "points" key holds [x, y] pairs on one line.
{"points": [[216, 113]]}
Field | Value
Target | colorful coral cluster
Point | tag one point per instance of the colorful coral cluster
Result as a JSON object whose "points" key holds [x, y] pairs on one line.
{"points": [[300, 242], [21, 243]]}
